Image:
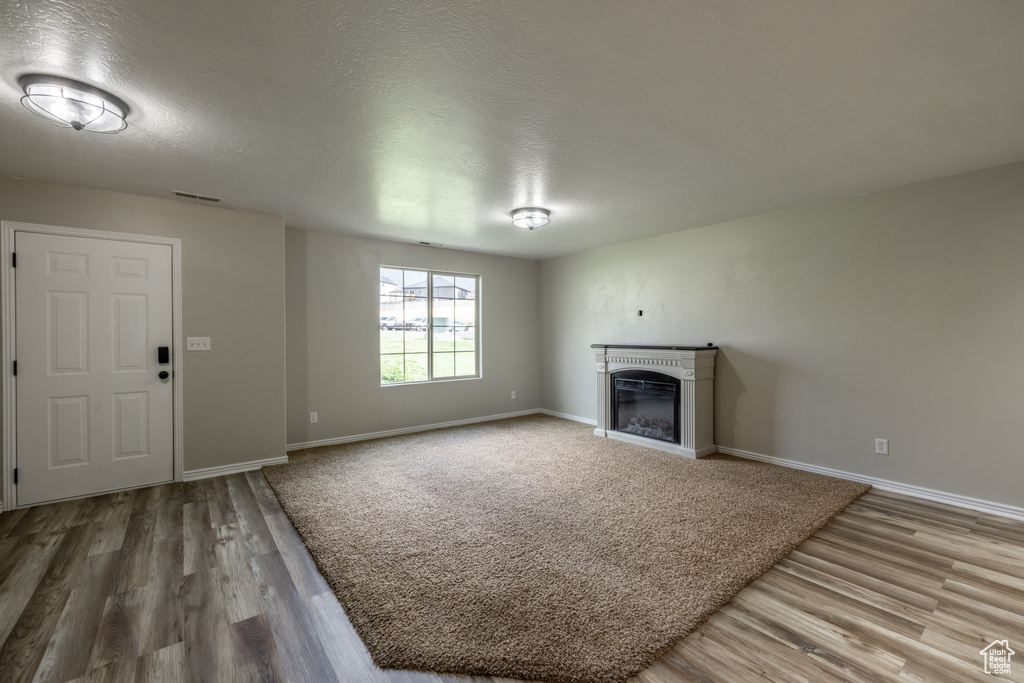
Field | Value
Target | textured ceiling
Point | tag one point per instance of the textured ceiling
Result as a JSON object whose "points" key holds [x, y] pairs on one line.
{"points": [[430, 121]]}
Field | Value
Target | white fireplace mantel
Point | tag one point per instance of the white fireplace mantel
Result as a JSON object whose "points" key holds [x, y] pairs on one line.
{"points": [[693, 366]]}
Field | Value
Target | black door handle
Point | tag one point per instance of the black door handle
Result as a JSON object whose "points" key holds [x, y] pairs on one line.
{"points": [[164, 374]]}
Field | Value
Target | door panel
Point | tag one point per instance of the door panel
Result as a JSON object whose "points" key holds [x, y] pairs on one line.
{"points": [[69, 431], [60, 263], [92, 413], [129, 334], [68, 332], [129, 267], [131, 425]]}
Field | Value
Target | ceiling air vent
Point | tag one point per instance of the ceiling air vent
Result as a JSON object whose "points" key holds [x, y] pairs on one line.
{"points": [[200, 197]]}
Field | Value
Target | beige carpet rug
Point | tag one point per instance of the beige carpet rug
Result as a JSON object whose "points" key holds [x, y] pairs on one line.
{"points": [[530, 548]]}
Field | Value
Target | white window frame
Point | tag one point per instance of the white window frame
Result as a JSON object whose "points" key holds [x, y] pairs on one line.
{"points": [[430, 273]]}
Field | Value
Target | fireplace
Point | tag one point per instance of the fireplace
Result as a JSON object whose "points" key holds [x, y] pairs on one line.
{"points": [[646, 403], [657, 396]]}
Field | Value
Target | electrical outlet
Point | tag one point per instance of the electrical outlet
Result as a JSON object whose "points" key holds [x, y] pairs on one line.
{"points": [[312, 418], [513, 394], [882, 446], [197, 344]]}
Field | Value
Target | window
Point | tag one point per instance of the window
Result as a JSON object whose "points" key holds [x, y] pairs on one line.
{"points": [[428, 326]]}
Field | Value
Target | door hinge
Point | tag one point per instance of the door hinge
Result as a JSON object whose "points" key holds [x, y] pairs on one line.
{"points": [[15, 367], [14, 259], [15, 475]]}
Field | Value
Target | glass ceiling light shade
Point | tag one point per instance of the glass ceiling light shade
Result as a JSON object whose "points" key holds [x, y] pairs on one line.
{"points": [[530, 218], [72, 104]]}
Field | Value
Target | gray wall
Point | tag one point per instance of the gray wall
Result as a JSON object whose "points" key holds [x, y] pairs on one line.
{"points": [[232, 291], [333, 342], [897, 315]]}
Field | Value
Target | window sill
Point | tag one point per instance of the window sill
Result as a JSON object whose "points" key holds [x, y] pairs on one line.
{"points": [[443, 380]]}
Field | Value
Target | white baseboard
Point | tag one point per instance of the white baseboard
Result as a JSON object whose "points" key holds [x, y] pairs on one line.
{"points": [[405, 430], [223, 470], [992, 508], [566, 416]]}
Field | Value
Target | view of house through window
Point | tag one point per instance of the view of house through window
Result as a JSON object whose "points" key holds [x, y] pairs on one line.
{"points": [[428, 328]]}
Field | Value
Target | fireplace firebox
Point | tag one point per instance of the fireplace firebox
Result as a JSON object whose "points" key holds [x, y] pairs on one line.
{"points": [[646, 403]]}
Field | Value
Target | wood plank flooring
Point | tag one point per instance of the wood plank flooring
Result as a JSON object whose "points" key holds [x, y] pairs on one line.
{"points": [[208, 581]]}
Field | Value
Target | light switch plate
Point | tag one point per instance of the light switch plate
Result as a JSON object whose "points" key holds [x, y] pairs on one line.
{"points": [[197, 344]]}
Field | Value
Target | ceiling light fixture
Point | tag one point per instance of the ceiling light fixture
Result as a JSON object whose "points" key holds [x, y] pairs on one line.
{"points": [[72, 104], [530, 218]]}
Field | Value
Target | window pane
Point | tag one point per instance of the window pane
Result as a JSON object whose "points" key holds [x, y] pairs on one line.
{"points": [[415, 312], [444, 365], [444, 339], [465, 363], [415, 341], [465, 288], [391, 300], [416, 367], [466, 341], [392, 341], [392, 369], [414, 283], [444, 312], [390, 284], [444, 287], [465, 312]]}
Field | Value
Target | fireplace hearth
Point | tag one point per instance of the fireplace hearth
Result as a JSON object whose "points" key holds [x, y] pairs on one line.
{"points": [[657, 396]]}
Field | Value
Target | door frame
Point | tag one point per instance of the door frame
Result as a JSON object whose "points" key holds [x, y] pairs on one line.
{"points": [[7, 341]]}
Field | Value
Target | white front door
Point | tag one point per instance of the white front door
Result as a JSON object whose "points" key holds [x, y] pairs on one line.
{"points": [[93, 414]]}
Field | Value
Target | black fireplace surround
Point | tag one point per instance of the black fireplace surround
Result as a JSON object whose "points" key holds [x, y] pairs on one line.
{"points": [[646, 403]]}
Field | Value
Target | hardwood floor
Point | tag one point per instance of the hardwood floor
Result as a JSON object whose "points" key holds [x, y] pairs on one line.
{"points": [[208, 581]]}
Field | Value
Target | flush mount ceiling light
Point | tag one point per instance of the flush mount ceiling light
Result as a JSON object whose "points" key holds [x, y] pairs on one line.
{"points": [[72, 104], [530, 218]]}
